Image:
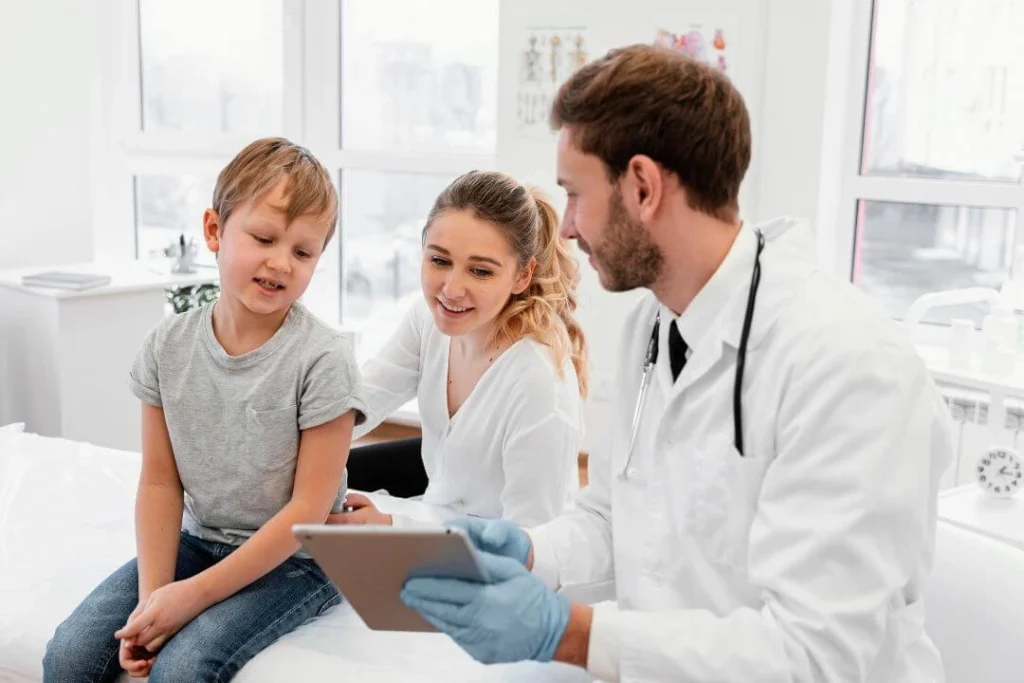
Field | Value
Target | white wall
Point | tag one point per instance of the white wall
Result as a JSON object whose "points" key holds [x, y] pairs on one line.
{"points": [[780, 64], [46, 81]]}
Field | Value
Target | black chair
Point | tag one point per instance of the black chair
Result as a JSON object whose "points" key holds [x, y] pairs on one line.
{"points": [[395, 466]]}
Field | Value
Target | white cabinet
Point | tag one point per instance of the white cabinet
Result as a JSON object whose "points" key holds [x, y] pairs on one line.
{"points": [[65, 356]]}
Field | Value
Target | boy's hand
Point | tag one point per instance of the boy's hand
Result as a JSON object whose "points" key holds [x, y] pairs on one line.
{"points": [[363, 512], [135, 660], [167, 610]]}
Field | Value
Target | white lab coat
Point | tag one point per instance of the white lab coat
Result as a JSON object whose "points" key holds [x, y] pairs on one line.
{"points": [[804, 560]]}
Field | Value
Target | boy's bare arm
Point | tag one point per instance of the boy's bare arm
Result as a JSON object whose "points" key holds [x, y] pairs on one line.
{"points": [[323, 453], [158, 505]]}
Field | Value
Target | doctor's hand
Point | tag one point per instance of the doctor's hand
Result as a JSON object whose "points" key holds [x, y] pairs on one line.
{"points": [[498, 537], [167, 610], [363, 512], [511, 618]]}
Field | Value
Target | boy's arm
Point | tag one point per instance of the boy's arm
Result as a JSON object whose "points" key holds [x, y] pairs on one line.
{"points": [[323, 453], [158, 505]]}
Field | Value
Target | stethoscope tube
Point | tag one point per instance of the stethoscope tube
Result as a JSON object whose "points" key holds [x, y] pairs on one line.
{"points": [[741, 353], [651, 359]]}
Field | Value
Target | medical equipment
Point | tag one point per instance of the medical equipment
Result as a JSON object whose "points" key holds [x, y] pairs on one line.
{"points": [[741, 358], [961, 340], [370, 564], [496, 536], [511, 617], [999, 470], [184, 254]]}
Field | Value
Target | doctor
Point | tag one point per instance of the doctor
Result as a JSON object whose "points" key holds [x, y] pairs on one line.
{"points": [[765, 506]]}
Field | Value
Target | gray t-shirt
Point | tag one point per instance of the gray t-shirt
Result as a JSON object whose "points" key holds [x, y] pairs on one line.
{"points": [[234, 421]]}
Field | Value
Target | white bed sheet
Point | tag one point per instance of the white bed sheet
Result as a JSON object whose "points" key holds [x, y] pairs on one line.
{"points": [[66, 522]]}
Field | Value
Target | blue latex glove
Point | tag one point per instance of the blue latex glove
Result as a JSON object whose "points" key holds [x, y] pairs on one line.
{"points": [[512, 618], [496, 536]]}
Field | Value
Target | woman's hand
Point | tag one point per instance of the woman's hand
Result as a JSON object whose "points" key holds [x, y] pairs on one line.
{"points": [[136, 660], [363, 512], [167, 610]]}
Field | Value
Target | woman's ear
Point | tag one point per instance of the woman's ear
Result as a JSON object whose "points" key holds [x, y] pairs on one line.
{"points": [[211, 230], [524, 277]]}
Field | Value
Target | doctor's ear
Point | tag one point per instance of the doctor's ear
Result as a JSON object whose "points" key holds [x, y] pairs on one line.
{"points": [[646, 183], [211, 230]]}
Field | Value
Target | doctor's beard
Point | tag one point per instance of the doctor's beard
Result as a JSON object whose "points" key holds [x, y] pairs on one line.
{"points": [[626, 258]]}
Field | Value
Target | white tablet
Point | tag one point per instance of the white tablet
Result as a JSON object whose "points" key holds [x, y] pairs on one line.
{"points": [[369, 566]]}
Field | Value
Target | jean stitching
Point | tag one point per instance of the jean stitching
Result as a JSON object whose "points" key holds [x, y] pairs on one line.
{"points": [[110, 658], [330, 603], [270, 626]]}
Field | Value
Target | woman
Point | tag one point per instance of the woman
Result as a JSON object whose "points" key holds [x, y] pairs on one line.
{"points": [[494, 356]]}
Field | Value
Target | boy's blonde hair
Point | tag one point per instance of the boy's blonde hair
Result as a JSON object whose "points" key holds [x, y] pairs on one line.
{"points": [[261, 165]]}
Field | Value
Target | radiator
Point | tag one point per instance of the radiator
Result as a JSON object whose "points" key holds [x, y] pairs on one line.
{"points": [[969, 409]]}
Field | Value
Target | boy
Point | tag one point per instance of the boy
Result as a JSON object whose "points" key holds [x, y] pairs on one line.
{"points": [[248, 409]]}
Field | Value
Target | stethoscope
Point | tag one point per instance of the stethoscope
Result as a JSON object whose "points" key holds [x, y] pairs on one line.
{"points": [[741, 359]]}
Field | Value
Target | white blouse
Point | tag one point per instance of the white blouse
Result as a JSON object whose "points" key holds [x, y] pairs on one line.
{"points": [[512, 447]]}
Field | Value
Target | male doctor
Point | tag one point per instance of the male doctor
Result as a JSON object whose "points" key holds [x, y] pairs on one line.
{"points": [[781, 532]]}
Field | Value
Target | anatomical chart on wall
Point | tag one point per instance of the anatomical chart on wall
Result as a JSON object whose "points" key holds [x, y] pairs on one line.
{"points": [[704, 42], [548, 57]]}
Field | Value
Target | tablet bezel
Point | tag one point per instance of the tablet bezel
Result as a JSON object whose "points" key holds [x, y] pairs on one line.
{"points": [[369, 564]]}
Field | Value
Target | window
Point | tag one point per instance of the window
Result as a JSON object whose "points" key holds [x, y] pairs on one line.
{"points": [[934, 192], [213, 68], [191, 83], [169, 208], [417, 97], [393, 95], [414, 80]]}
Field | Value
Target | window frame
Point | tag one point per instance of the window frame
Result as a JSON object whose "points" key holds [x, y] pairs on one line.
{"points": [[311, 116], [857, 187]]}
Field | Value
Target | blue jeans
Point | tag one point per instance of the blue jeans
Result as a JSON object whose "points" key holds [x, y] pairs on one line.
{"points": [[214, 645]]}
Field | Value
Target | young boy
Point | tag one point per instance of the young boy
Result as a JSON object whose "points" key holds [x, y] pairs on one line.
{"points": [[247, 417]]}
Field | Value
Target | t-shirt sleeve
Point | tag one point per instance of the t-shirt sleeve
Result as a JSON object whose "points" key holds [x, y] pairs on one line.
{"points": [[332, 386], [144, 378]]}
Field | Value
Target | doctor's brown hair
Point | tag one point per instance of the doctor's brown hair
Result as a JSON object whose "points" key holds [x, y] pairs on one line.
{"points": [[685, 115], [545, 309]]}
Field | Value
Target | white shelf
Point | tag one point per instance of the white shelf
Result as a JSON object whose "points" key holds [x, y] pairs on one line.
{"points": [[1001, 519], [126, 276], [1009, 385]]}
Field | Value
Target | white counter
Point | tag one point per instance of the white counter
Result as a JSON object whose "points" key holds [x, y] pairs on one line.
{"points": [[125, 277], [969, 508], [65, 355]]}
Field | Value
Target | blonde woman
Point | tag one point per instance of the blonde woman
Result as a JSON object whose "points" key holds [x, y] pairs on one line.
{"points": [[494, 356]]}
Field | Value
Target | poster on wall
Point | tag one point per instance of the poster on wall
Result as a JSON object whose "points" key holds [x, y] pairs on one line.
{"points": [[548, 56], [704, 42]]}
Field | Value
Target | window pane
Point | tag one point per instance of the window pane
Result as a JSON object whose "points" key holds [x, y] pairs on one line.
{"points": [[415, 80], [167, 207], [945, 89], [211, 67], [382, 218], [906, 250]]}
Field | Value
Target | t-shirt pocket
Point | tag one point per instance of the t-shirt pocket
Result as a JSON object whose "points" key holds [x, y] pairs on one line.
{"points": [[272, 438]]}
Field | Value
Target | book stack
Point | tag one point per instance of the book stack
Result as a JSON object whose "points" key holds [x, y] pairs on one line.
{"points": [[65, 280]]}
